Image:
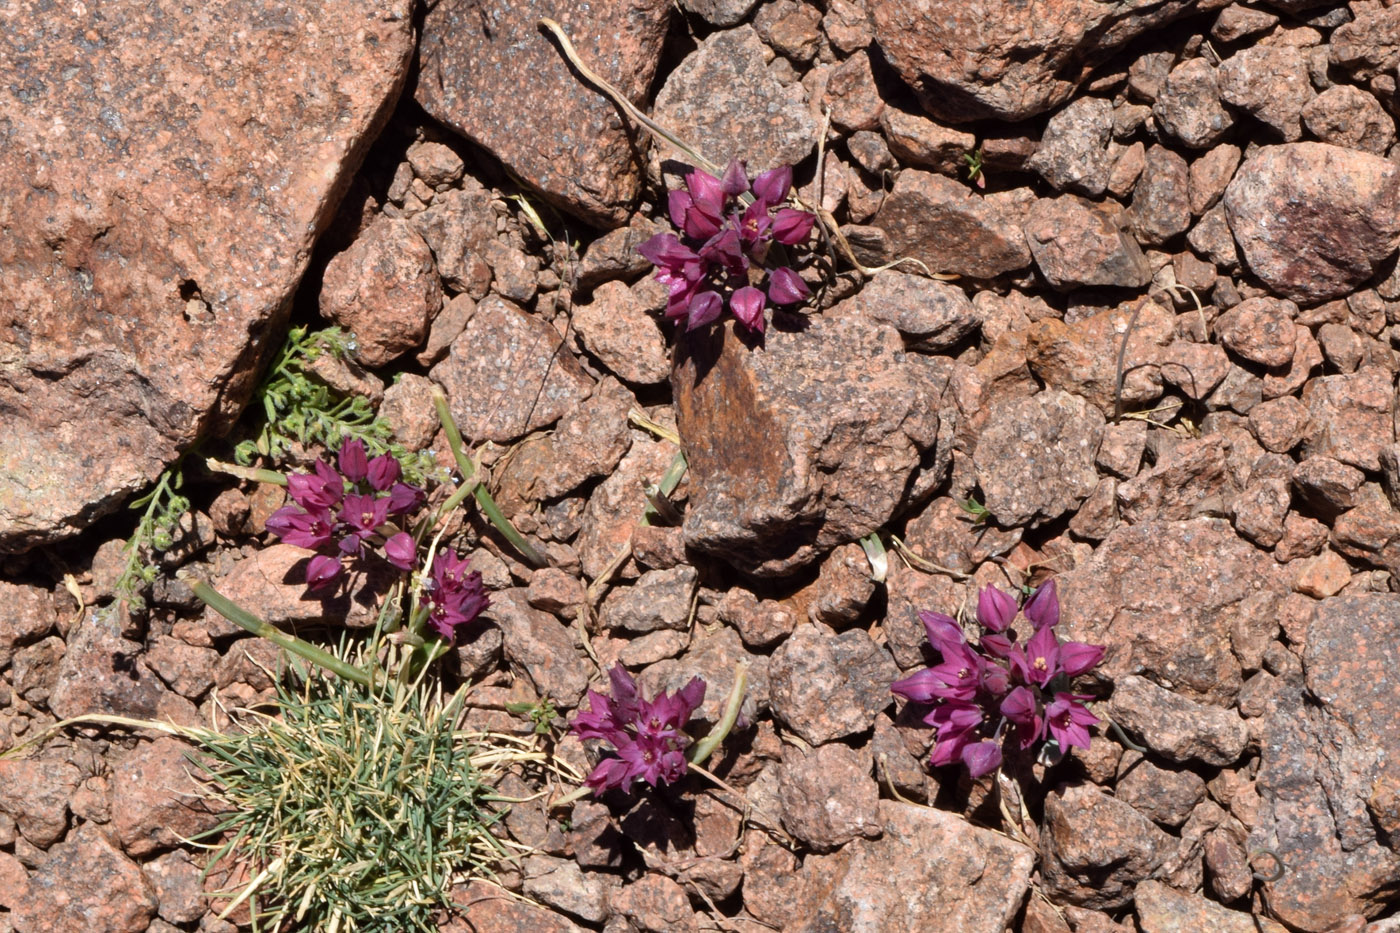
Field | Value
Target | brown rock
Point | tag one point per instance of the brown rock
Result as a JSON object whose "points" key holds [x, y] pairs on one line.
{"points": [[1307, 356], [1211, 238], [952, 228], [1161, 206], [851, 93], [829, 796], [155, 802], [186, 669], [101, 673], [1073, 154], [1197, 369], [1312, 220], [713, 657], [1120, 451], [14, 882], [1188, 480], [1343, 347], [1188, 107], [486, 908], [1260, 510], [616, 328], [175, 879], [1175, 727], [1160, 596], [113, 896], [655, 904], [824, 452], [459, 227], [384, 289], [1035, 458], [1279, 424], [1210, 173], [502, 339], [919, 142], [1260, 330], [1346, 116], [539, 648], [1127, 169], [589, 442], [1162, 909], [926, 863], [1270, 83], [1322, 576], [161, 205], [760, 623], [965, 65], [30, 617], [508, 89], [1302, 537], [732, 106], [274, 580], [844, 587], [1368, 45], [930, 315], [617, 503], [1082, 358], [659, 599], [822, 708], [35, 793], [944, 534], [1351, 417], [1164, 795], [1328, 485], [1096, 849], [1077, 242]]}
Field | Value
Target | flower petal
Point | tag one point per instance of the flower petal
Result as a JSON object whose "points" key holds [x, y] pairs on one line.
{"points": [[1043, 608], [786, 287], [773, 185], [705, 308], [995, 609], [747, 304]]}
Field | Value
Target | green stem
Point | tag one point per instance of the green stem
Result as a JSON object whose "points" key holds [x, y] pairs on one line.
{"points": [[488, 505], [256, 474], [669, 481], [706, 746], [245, 619]]}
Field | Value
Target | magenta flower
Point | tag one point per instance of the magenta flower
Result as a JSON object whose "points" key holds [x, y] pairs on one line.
{"points": [[648, 735], [454, 596], [1068, 720], [724, 240], [341, 514], [977, 689]]}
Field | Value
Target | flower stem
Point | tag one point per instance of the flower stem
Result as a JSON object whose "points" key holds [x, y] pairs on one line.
{"points": [[245, 619], [255, 474], [483, 498], [706, 746]]}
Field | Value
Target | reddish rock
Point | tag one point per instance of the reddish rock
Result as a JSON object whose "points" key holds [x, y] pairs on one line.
{"points": [[540, 648], [273, 579], [1035, 458], [1077, 242], [659, 599], [1161, 596], [1161, 909], [844, 587], [616, 328], [1127, 169], [851, 93], [1175, 727], [1346, 116], [1095, 849], [1211, 238], [1120, 451], [589, 442], [1161, 206], [161, 202], [1368, 45], [1343, 347], [829, 795], [1271, 84], [760, 623], [14, 882], [1082, 358], [1164, 795], [713, 656], [30, 616], [384, 289], [408, 408], [617, 503], [1328, 485], [655, 904], [101, 672], [460, 227], [35, 794], [156, 803], [951, 228], [1260, 330], [510, 90], [502, 340], [944, 534], [930, 315], [926, 864], [1188, 107], [919, 142], [482, 907], [1322, 576], [1197, 369], [824, 452], [732, 106], [175, 879], [1188, 480], [1260, 509], [1210, 173], [113, 896], [967, 65], [1312, 220], [1307, 356], [1351, 416], [821, 709], [1073, 154], [1279, 424], [186, 669], [1302, 537]]}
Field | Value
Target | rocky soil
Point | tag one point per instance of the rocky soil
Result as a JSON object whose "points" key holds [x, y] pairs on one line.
{"points": [[1162, 354]]}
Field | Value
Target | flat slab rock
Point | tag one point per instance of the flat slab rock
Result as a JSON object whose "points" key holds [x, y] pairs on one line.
{"points": [[798, 445], [161, 185], [492, 74], [926, 864], [981, 59]]}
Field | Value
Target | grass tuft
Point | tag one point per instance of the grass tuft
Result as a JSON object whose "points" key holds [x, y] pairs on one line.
{"points": [[356, 808]]}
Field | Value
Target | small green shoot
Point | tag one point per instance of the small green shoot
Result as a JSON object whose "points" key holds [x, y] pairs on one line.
{"points": [[979, 512], [973, 161], [155, 532], [542, 714], [301, 409]]}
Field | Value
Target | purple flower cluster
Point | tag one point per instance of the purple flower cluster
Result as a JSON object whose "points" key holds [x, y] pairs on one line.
{"points": [[980, 689], [341, 513], [648, 734], [453, 596], [721, 256]]}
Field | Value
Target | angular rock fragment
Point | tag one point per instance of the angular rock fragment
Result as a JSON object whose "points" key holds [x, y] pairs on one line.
{"points": [[952, 228], [1077, 243]]}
